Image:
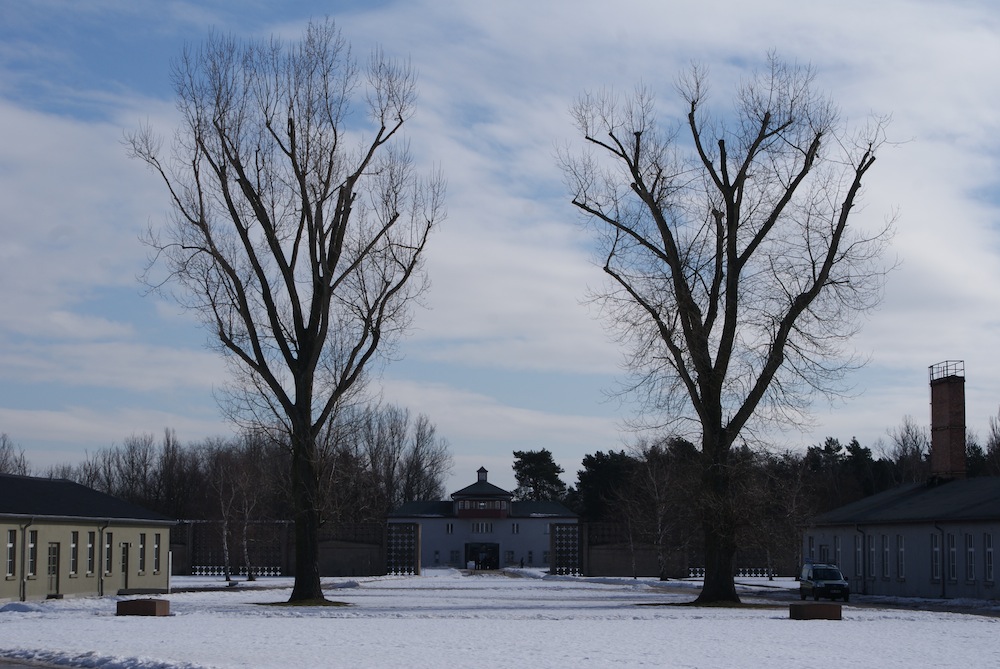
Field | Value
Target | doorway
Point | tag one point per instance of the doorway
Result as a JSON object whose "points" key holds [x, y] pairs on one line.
{"points": [[483, 555], [52, 569], [125, 547]]}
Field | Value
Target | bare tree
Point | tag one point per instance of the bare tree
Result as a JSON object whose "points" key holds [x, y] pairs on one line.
{"points": [[425, 464], [298, 231], [12, 460], [992, 452], [734, 277], [908, 451]]}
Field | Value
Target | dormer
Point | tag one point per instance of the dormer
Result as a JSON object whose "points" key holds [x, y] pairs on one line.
{"points": [[482, 499]]}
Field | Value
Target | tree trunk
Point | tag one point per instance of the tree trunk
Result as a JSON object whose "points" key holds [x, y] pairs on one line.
{"points": [[720, 560], [305, 488], [718, 520]]}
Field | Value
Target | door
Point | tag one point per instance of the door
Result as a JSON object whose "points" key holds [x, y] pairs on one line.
{"points": [[52, 569], [483, 555], [124, 581]]}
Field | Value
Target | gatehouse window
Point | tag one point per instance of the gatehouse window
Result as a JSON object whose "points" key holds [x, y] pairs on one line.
{"points": [[900, 557], [970, 557], [74, 552], [11, 552], [109, 561], [988, 557], [935, 556], [91, 536], [156, 553], [32, 552]]}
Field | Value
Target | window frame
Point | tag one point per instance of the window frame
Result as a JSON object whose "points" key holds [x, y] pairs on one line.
{"points": [[11, 553], [74, 552]]}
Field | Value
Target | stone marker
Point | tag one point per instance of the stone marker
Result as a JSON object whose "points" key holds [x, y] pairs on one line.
{"points": [[814, 611], [144, 607]]}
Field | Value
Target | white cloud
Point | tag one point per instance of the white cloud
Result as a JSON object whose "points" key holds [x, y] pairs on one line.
{"points": [[510, 267]]}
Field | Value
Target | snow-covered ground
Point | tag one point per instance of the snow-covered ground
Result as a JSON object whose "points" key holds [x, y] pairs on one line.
{"points": [[445, 619]]}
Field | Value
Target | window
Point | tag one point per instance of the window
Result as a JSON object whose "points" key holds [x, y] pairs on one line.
{"points": [[531, 557], [870, 570], [108, 557], [449, 528], [824, 553], [970, 557], [952, 558], [437, 557], [91, 537], [74, 552], [32, 552], [453, 557], [811, 551], [836, 551], [859, 553], [142, 552], [900, 557], [515, 528], [988, 557], [11, 552], [508, 557], [482, 528], [935, 556], [885, 556], [156, 553]]}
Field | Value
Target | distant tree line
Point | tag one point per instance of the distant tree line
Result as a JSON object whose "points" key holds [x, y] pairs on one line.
{"points": [[371, 461], [651, 489]]}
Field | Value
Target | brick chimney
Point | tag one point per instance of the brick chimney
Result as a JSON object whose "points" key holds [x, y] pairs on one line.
{"points": [[948, 420]]}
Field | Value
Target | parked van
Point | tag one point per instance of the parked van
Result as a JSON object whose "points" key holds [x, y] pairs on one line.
{"points": [[823, 580]]}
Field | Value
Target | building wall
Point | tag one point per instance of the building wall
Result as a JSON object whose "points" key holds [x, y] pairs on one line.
{"points": [[43, 559], [946, 560], [518, 538]]}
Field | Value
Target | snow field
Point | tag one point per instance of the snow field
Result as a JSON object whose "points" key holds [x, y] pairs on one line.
{"points": [[447, 619]]}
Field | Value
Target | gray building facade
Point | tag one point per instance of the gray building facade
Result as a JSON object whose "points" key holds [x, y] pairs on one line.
{"points": [[483, 528], [935, 539], [930, 539]]}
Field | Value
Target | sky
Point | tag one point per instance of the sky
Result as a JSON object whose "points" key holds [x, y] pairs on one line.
{"points": [[507, 355], [438, 619]]}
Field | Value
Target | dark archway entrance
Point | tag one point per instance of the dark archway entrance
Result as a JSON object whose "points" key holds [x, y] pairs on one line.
{"points": [[484, 555]]}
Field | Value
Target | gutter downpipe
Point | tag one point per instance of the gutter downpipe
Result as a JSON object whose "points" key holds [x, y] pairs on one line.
{"points": [[864, 560], [23, 581]]}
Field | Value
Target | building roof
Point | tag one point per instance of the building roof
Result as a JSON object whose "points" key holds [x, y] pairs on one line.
{"points": [[517, 510], [974, 499], [482, 489], [31, 497]]}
